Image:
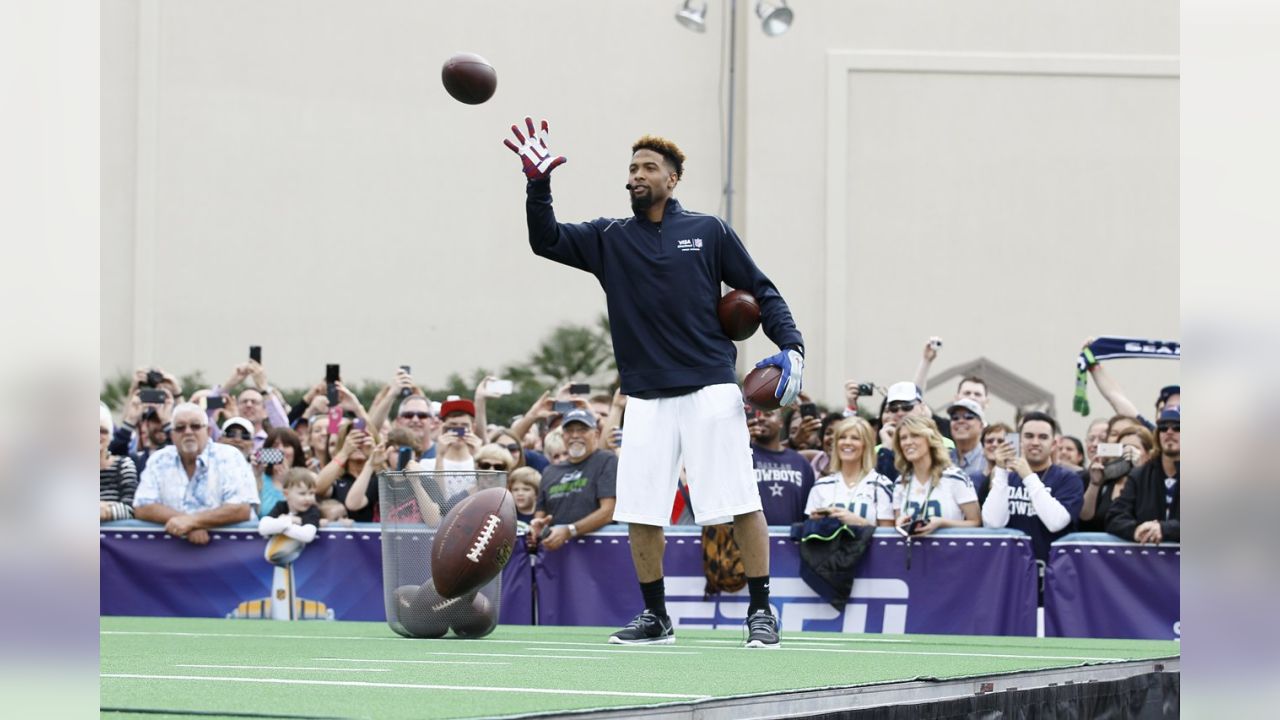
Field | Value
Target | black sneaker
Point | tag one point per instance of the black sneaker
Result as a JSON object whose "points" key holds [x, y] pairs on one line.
{"points": [[762, 628], [646, 629]]}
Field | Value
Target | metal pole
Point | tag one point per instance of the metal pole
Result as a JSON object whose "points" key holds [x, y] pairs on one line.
{"points": [[733, 61]]}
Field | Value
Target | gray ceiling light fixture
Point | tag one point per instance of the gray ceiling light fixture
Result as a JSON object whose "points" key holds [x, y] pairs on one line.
{"points": [[693, 18], [774, 19]]}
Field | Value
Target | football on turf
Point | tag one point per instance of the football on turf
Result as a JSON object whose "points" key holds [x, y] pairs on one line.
{"points": [[760, 385], [473, 542], [739, 314]]}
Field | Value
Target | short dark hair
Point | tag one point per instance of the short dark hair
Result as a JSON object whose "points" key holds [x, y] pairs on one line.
{"points": [[663, 147], [972, 379], [1036, 415], [995, 427], [1076, 442]]}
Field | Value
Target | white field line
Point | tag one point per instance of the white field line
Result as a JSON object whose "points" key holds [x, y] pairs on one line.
{"points": [[559, 642], [638, 650], [408, 686], [285, 667], [259, 636], [471, 654]]}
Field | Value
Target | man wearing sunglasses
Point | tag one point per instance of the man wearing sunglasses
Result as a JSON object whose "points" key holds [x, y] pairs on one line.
{"points": [[195, 485], [577, 496], [967, 421], [238, 433], [415, 416], [1148, 508]]}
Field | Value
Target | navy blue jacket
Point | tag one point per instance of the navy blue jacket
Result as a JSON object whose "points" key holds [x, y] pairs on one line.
{"points": [[662, 287]]}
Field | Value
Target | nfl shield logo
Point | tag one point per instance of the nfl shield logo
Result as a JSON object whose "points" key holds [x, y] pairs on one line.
{"points": [[697, 242]]}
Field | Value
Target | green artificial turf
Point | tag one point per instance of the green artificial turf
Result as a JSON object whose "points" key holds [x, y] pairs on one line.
{"points": [[364, 670]]}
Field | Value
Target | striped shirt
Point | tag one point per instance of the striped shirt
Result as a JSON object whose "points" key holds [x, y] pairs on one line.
{"points": [[222, 477], [116, 485]]}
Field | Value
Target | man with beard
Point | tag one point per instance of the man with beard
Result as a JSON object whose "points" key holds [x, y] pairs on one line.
{"points": [[661, 270], [577, 496], [194, 485], [1148, 509], [783, 476]]}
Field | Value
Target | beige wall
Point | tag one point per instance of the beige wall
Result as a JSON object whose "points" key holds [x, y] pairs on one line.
{"points": [[292, 174], [1001, 174]]}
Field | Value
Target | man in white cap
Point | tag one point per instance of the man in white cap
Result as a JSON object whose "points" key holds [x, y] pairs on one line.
{"points": [[238, 433], [967, 420]]}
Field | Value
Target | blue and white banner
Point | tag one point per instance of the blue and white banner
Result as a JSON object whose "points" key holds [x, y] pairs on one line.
{"points": [[964, 583], [1099, 586], [979, 582], [589, 582]]}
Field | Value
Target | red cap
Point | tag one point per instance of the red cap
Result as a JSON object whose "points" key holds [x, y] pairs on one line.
{"points": [[453, 406]]}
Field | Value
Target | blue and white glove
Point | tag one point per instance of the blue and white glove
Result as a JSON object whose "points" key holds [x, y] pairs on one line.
{"points": [[791, 363]]}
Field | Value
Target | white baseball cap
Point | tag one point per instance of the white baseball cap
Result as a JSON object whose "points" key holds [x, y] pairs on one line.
{"points": [[904, 392], [238, 422], [971, 405]]}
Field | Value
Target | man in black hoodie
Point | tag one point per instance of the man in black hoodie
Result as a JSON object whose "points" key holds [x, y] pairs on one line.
{"points": [[1147, 510], [661, 271]]}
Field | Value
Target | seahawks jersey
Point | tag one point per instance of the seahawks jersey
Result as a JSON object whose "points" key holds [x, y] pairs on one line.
{"points": [[870, 498], [923, 501]]}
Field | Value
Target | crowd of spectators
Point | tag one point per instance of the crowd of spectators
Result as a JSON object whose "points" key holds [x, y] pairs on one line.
{"points": [[194, 459]]}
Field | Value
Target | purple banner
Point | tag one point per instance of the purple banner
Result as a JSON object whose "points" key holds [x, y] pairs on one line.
{"points": [[591, 581], [147, 572], [967, 583], [1099, 586]]}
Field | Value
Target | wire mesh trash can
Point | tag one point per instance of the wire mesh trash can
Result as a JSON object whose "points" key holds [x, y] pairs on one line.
{"points": [[411, 505]]}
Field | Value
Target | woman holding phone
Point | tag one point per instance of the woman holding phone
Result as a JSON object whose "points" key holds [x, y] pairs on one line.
{"points": [[854, 493], [1108, 474], [932, 493], [281, 450], [339, 478]]}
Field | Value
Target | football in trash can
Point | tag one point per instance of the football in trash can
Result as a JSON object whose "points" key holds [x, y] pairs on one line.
{"points": [[416, 611], [477, 619], [474, 542]]}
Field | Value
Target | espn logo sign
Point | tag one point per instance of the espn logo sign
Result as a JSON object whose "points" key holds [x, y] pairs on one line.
{"points": [[876, 605]]}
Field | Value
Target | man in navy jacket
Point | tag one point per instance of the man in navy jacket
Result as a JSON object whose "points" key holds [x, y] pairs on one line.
{"points": [[661, 270]]}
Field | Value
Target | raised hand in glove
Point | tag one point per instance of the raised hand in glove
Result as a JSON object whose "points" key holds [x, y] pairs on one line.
{"points": [[538, 160], [791, 362]]}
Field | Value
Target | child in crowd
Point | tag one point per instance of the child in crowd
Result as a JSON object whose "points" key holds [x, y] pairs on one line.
{"points": [[333, 511], [523, 484], [297, 516]]}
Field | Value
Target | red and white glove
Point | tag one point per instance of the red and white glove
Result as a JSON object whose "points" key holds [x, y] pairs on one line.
{"points": [[538, 161]]}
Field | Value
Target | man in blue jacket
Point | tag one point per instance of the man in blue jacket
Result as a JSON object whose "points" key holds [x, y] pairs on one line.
{"points": [[661, 271]]}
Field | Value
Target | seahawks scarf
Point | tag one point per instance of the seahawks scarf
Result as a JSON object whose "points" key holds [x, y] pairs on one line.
{"points": [[1109, 348]]}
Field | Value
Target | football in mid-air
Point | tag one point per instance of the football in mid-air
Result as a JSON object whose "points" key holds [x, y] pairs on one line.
{"points": [[759, 386], [473, 542], [469, 78], [739, 314]]}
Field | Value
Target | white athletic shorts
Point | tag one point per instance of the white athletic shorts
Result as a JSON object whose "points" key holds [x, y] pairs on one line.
{"points": [[705, 430]]}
